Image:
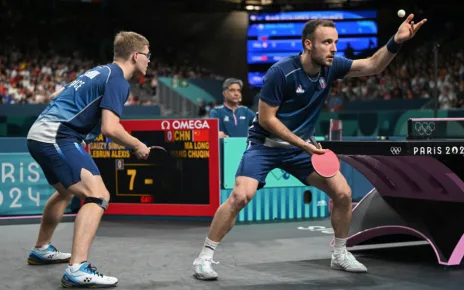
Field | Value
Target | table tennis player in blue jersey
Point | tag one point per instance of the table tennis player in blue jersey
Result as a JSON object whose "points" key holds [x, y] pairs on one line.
{"points": [[89, 105], [292, 96]]}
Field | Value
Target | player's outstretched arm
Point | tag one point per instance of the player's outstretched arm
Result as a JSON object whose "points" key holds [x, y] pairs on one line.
{"points": [[382, 58], [269, 121], [112, 129]]}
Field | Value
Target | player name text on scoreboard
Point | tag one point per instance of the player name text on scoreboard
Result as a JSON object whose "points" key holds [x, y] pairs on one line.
{"points": [[104, 148], [195, 143]]}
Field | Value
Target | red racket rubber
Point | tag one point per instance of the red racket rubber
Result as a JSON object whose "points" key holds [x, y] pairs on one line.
{"points": [[327, 164]]}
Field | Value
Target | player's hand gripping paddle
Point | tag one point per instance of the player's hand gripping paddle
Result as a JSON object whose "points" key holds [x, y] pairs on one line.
{"points": [[158, 148], [327, 164]]}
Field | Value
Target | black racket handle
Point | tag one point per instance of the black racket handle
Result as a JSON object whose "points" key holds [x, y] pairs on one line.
{"points": [[313, 141], [151, 148]]}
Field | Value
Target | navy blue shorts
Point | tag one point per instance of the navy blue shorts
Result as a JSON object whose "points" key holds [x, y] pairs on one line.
{"points": [[258, 160], [62, 163]]}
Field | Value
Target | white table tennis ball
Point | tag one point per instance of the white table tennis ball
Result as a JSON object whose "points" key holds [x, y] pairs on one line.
{"points": [[401, 13]]}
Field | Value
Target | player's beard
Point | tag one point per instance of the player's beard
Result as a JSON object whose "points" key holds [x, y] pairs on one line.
{"points": [[320, 61]]}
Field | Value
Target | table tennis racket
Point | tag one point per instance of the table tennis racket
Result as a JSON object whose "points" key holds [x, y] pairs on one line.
{"points": [[327, 164], [157, 148], [154, 148]]}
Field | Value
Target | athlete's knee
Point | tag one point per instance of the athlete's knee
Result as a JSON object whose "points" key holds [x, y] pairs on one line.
{"points": [[63, 193], [103, 194], [101, 202], [239, 198], [90, 186], [99, 192], [343, 195]]}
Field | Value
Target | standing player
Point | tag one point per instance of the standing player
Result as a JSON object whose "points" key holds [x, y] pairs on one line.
{"points": [[234, 119], [91, 104], [292, 95]]}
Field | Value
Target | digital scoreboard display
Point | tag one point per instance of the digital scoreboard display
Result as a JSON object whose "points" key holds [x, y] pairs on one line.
{"points": [[272, 37], [180, 176]]}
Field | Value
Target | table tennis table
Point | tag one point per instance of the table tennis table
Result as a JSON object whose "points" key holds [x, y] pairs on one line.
{"points": [[418, 191]]}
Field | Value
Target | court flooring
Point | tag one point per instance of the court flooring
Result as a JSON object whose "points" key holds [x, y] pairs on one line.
{"points": [[158, 254]]}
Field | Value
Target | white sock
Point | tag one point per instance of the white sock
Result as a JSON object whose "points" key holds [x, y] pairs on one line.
{"points": [[208, 249], [75, 267], [43, 247], [340, 246]]}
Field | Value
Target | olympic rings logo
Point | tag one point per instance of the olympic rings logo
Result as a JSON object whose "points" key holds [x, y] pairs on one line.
{"points": [[424, 128], [395, 150]]}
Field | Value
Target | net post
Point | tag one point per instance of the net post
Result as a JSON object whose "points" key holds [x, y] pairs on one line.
{"points": [[335, 130], [409, 136]]}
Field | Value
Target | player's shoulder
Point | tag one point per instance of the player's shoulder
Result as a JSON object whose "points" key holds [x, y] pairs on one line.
{"points": [[341, 60], [102, 72], [114, 73], [287, 64], [339, 68], [113, 70]]}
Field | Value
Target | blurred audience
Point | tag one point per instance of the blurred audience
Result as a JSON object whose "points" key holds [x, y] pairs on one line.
{"points": [[409, 76], [31, 77]]}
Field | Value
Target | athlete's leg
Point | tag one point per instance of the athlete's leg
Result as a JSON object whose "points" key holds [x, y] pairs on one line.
{"points": [[75, 170], [336, 187], [224, 219], [256, 163], [44, 252], [339, 191], [89, 215], [52, 214]]}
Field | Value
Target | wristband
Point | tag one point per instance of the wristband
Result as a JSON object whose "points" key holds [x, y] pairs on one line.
{"points": [[392, 46]]}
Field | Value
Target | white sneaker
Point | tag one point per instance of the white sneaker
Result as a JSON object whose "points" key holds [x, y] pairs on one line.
{"points": [[347, 262], [48, 256], [203, 269], [86, 277]]}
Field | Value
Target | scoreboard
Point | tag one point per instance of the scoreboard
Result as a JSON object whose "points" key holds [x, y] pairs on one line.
{"points": [[274, 36], [180, 179]]}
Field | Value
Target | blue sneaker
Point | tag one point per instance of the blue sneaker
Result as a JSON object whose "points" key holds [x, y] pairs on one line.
{"points": [[48, 256], [86, 276]]}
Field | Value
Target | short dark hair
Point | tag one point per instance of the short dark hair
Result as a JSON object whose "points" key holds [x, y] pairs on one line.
{"points": [[311, 26]]}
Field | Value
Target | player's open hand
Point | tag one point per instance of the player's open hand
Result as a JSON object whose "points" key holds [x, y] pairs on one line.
{"points": [[142, 151], [408, 29]]}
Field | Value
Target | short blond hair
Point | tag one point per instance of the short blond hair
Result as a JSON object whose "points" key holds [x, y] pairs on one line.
{"points": [[127, 42]]}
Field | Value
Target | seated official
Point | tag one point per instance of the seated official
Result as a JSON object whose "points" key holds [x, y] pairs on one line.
{"points": [[234, 120]]}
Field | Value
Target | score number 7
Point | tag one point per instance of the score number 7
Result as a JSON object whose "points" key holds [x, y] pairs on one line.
{"points": [[131, 173]]}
